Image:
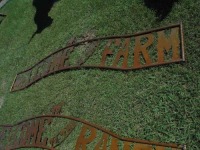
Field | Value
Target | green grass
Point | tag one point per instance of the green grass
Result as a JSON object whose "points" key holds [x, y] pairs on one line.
{"points": [[160, 104]]}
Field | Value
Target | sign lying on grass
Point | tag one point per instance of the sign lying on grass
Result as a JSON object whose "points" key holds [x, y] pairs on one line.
{"points": [[130, 52], [56, 131]]}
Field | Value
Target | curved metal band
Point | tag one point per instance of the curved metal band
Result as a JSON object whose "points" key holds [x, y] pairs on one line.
{"points": [[98, 128]]}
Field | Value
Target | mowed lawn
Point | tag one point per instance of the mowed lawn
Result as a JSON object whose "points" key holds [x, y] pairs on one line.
{"points": [[159, 104]]}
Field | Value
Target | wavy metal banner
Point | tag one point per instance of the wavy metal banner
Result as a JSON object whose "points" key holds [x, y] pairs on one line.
{"points": [[55, 131], [129, 52]]}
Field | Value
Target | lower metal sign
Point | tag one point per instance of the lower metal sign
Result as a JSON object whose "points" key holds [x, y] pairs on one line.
{"points": [[56, 131], [129, 52]]}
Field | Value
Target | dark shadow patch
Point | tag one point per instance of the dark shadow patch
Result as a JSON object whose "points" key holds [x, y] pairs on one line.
{"points": [[161, 7], [2, 16], [42, 20]]}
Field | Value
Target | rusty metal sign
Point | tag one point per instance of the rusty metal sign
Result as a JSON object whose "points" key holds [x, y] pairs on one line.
{"points": [[44, 132], [129, 52]]}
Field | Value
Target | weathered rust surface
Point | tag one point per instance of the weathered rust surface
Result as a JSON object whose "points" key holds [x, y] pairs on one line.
{"points": [[129, 52], [34, 133]]}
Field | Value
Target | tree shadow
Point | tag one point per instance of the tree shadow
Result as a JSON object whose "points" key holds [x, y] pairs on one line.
{"points": [[161, 7], [42, 19]]}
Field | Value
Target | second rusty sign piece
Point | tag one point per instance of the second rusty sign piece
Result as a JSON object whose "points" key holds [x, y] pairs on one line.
{"points": [[56, 131], [129, 52]]}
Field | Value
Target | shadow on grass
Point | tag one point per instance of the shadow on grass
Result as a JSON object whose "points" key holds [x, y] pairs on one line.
{"points": [[42, 20], [161, 7]]}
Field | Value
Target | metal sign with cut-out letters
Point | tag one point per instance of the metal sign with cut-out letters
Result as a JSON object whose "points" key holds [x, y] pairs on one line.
{"points": [[56, 131], [129, 52]]}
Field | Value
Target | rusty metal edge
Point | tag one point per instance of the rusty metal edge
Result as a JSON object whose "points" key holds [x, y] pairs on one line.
{"points": [[13, 83], [31, 146], [181, 147], [182, 41], [100, 67]]}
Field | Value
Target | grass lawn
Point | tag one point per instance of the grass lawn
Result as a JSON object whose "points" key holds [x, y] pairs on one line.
{"points": [[159, 104]]}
